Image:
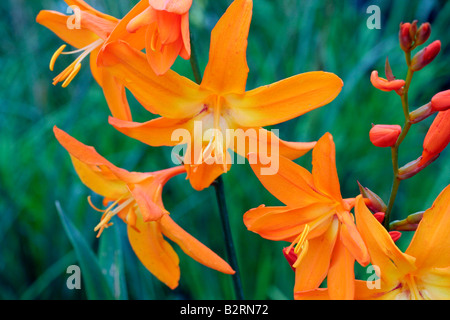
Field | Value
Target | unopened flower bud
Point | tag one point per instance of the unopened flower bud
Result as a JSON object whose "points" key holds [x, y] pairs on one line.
{"points": [[375, 203], [379, 216], [395, 235], [405, 36], [425, 56], [438, 136], [423, 33], [385, 135], [409, 224], [413, 30], [441, 101], [421, 113], [384, 84]]}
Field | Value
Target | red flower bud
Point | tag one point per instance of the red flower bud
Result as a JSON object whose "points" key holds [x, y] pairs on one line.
{"points": [[405, 36], [385, 85], [379, 216], [375, 204], [423, 33], [385, 135], [421, 113], [438, 136], [425, 56], [441, 101], [395, 235]]}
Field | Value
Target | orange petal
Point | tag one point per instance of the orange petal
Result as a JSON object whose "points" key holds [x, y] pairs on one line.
{"points": [[57, 22], [313, 269], [317, 294], [87, 8], [93, 170], [147, 196], [385, 85], [285, 99], [352, 240], [186, 36], [283, 223], [258, 140], [365, 292], [227, 68], [324, 168], [99, 26], [169, 26], [202, 175], [175, 6], [154, 252], [341, 275], [156, 93], [393, 263], [161, 56], [192, 246], [96, 71], [115, 95], [157, 132], [431, 243]]}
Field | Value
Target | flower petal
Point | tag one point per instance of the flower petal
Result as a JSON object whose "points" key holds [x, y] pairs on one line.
{"points": [[258, 140], [291, 184], [393, 263], [175, 6], [57, 22], [284, 223], [156, 254], [352, 240], [313, 269], [115, 95], [227, 69], [285, 99], [341, 275], [87, 8], [431, 243], [156, 93], [158, 132], [192, 247], [324, 167]]}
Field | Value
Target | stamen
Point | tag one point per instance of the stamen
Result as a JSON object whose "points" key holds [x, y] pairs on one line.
{"points": [[55, 56], [109, 213], [93, 206], [300, 245], [72, 70]]}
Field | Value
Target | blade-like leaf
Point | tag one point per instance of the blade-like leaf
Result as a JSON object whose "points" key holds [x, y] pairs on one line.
{"points": [[111, 261], [95, 283]]}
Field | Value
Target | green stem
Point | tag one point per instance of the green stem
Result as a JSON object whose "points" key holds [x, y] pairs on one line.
{"points": [[221, 201], [231, 253], [395, 148]]}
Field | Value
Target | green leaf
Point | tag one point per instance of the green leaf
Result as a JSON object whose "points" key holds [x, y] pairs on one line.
{"points": [[95, 283], [111, 261]]}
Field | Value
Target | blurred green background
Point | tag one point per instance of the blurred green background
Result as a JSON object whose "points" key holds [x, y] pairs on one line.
{"points": [[287, 37]]}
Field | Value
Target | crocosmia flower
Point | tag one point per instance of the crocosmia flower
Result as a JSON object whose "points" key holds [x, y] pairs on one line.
{"points": [[220, 103], [316, 220], [423, 270], [136, 198]]}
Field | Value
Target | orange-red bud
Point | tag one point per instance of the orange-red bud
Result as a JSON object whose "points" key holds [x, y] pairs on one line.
{"points": [[384, 84], [438, 136], [405, 37], [441, 101], [379, 216], [375, 203], [421, 113], [425, 56], [395, 235], [385, 135], [423, 33]]}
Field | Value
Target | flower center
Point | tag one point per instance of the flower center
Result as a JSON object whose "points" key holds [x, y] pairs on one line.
{"points": [[410, 289], [300, 245], [115, 208], [72, 70]]}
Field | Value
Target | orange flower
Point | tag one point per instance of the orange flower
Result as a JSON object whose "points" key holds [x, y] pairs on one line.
{"points": [[166, 27], [385, 85], [219, 103], [137, 199], [438, 136], [316, 220], [89, 30], [86, 30], [423, 270]]}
